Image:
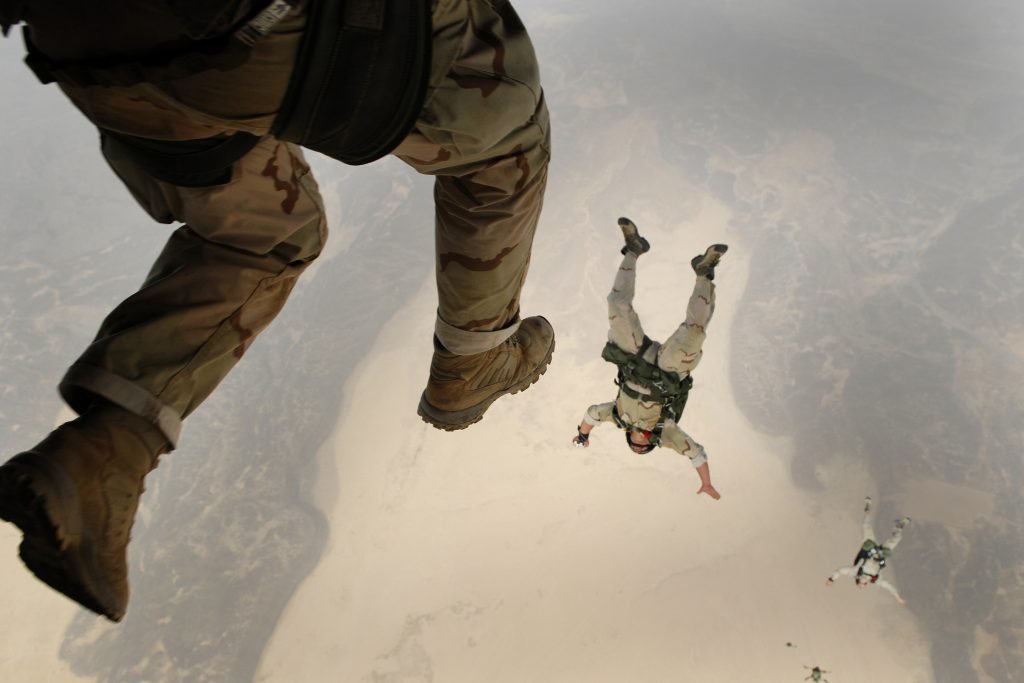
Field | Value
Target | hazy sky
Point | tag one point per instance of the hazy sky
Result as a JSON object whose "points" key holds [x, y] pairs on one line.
{"points": [[867, 159]]}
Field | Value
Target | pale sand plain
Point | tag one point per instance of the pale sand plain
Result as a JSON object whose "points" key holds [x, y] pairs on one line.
{"points": [[35, 617], [500, 553]]}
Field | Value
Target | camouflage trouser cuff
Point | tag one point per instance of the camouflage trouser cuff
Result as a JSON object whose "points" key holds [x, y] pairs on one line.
{"points": [[466, 343], [121, 392]]}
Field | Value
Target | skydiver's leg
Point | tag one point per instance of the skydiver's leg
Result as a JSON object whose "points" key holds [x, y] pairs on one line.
{"points": [[624, 328], [220, 280], [867, 530], [682, 351], [484, 133], [897, 534]]}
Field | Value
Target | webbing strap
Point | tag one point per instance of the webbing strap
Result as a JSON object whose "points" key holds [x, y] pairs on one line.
{"points": [[186, 163], [220, 52], [215, 53], [658, 394]]}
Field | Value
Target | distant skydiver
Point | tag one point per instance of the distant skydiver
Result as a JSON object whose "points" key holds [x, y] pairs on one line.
{"points": [[816, 674], [654, 379], [872, 557]]}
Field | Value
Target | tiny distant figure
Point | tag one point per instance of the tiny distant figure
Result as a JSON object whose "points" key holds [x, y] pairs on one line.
{"points": [[872, 557], [654, 379], [816, 674]]}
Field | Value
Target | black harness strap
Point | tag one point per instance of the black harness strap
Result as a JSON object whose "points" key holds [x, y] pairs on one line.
{"points": [[222, 51], [216, 53], [357, 87], [662, 386], [186, 163], [870, 550]]}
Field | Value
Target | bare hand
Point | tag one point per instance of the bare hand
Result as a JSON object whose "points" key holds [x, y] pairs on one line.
{"points": [[710, 490], [828, 581], [900, 600]]}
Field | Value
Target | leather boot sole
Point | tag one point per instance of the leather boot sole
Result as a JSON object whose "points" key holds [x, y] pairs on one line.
{"points": [[39, 497], [454, 420]]}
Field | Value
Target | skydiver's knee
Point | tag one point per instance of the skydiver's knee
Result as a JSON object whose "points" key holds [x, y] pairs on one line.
{"points": [[620, 302], [678, 360], [306, 243]]}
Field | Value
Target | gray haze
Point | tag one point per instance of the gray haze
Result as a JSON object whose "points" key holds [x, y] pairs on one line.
{"points": [[871, 153]]}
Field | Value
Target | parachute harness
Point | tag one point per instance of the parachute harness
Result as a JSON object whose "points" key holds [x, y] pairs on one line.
{"points": [[660, 385], [871, 551]]}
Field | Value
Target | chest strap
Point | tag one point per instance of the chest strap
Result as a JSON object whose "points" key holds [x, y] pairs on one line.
{"points": [[659, 385]]}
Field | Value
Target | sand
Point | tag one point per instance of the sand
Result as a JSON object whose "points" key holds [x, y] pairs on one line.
{"points": [[35, 617]]}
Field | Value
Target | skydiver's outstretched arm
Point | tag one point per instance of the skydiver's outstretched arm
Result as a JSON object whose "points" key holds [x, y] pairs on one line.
{"points": [[704, 472], [600, 412], [842, 571], [675, 438], [882, 583], [582, 438]]}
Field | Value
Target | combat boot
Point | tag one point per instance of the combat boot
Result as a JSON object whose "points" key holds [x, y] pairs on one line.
{"points": [[461, 388], [704, 264], [74, 497], [635, 244]]}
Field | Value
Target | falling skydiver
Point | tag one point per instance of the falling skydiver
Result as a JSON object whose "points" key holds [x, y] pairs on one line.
{"points": [[872, 557], [654, 379], [816, 674]]}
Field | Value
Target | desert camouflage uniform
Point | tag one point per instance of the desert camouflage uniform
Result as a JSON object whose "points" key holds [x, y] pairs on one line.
{"points": [[680, 353], [224, 275]]}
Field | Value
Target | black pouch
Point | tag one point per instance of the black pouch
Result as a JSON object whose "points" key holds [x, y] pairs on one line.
{"points": [[186, 163], [360, 78]]}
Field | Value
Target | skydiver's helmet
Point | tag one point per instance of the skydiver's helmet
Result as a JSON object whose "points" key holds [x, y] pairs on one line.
{"points": [[640, 448]]}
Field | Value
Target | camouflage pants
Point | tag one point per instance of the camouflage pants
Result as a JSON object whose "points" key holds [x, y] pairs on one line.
{"points": [[869, 533], [681, 352], [226, 273]]}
